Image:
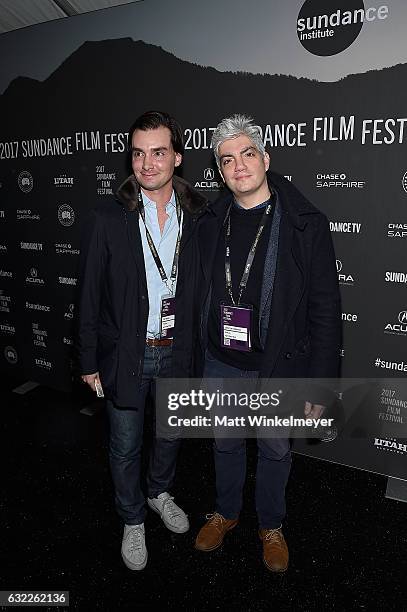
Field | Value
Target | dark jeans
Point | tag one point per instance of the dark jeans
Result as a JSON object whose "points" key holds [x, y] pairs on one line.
{"points": [[273, 464], [126, 437]]}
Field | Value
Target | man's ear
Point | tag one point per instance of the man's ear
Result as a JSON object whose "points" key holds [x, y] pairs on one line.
{"points": [[267, 161], [178, 159]]}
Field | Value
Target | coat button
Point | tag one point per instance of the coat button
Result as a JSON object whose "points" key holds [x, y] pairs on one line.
{"points": [[288, 355], [143, 297]]}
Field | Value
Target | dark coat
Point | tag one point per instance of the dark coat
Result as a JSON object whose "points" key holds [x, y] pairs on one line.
{"points": [[300, 323], [113, 299]]}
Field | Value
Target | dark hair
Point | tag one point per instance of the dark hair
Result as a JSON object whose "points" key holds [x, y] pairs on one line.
{"points": [[151, 120]]}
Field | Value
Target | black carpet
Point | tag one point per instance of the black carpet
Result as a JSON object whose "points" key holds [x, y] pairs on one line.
{"points": [[60, 532]]}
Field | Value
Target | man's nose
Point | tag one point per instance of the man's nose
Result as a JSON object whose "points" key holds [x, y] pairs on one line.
{"points": [[147, 161], [240, 163]]}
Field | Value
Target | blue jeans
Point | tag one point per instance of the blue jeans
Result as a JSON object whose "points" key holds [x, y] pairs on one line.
{"points": [[273, 464], [125, 443]]}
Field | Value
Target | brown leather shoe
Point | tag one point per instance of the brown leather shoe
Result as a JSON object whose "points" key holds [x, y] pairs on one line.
{"points": [[275, 551], [212, 533]]}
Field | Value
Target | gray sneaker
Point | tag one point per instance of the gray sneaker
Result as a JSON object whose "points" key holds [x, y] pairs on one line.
{"points": [[173, 517], [134, 551]]}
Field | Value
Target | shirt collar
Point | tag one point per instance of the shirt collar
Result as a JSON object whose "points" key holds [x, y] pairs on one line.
{"points": [[257, 207], [151, 204]]}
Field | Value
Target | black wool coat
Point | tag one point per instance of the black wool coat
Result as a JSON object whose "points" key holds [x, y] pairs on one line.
{"points": [[113, 301], [302, 334]]}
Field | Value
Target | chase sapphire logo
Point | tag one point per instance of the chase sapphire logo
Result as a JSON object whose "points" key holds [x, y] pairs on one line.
{"points": [[328, 27]]}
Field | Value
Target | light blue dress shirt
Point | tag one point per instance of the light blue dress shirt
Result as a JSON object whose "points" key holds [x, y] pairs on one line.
{"points": [[165, 245]]}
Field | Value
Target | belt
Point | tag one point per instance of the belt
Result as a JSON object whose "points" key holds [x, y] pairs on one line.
{"points": [[159, 341]]}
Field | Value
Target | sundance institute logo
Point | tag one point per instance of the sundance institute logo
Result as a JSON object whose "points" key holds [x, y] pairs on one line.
{"points": [[25, 181], [66, 215], [325, 29], [10, 354]]}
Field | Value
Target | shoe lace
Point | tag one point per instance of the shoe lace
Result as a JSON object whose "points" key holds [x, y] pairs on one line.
{"points": [[136, 539], [274, 535], [171, 508], [216, 520]]}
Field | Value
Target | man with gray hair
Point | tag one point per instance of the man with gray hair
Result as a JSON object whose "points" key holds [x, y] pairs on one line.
{"points": [[269, 271]]}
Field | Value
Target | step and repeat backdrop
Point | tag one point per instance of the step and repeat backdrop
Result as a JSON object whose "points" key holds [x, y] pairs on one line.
{"points": [[341, 141]]}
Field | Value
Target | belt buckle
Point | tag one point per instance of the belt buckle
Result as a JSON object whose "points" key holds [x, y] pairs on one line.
{"points": [[159, 341]]}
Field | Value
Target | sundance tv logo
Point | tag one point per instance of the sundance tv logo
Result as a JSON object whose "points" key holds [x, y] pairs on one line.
{"points": [[324, 29]]}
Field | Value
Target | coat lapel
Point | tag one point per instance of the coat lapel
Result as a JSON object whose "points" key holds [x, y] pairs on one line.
{"points": [[135, 245], [208, 237], [188, 228], [289, 285]]}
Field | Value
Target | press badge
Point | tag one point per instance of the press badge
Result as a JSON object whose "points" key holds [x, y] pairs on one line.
{"points": [[235, 323], [167, 318]]}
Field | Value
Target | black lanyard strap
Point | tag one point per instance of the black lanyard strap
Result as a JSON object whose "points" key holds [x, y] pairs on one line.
{"points": [[154, 252], [250, 257]]}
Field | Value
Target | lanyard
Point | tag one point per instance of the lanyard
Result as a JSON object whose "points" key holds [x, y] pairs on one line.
{"points": [[250, 257], [154, 252]]}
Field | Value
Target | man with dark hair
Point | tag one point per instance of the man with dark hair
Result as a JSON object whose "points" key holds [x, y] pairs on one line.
{"points": [[135, 316], [270, 308]]}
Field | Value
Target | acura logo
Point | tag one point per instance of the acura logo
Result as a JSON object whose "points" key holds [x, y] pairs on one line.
{"points": [[338, 265], [403, 316], [208, 174]]}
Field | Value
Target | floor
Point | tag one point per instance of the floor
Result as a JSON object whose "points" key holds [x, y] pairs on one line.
{"points": [[347, 541]]}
